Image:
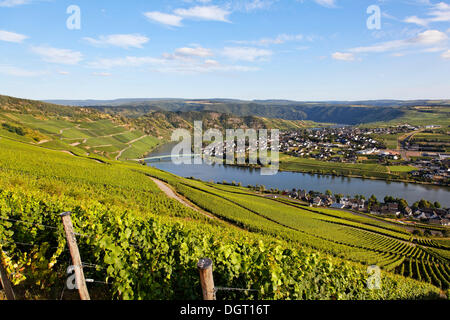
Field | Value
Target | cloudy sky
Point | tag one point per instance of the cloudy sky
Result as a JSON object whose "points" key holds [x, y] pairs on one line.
{"points": [[247, 49]]}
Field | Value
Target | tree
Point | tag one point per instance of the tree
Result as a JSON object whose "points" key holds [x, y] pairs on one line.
{"points": [[437, 205], [424, 204], [329, 193], [402, 204], [372, 201]]}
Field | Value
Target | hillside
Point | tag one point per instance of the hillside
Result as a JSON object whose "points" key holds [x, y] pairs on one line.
{"points": [[146, 245], [342, 112], [84, 131]]}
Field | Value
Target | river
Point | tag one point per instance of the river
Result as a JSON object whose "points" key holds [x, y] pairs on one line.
{"points": [[289, 180]]}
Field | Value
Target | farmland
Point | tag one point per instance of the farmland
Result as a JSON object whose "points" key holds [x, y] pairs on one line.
{"points": [[289, 163]]}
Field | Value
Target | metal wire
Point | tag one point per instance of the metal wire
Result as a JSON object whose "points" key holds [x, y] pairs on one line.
{"points": [[233, 289], [29, 223]]}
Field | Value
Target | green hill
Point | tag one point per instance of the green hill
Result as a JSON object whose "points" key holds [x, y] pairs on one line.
{"points": [[146, 246], [112, 136]]}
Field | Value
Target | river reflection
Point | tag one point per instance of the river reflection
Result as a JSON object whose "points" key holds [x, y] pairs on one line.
{"points": [[290, 180]]}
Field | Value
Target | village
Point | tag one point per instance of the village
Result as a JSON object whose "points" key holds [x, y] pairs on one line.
{"points": [[355, 145], [421, 211]]}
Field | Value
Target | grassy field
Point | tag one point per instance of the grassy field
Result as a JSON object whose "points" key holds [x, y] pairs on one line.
{"points": [[116, 204], [419, 116], [289, 163], [390, 140]]}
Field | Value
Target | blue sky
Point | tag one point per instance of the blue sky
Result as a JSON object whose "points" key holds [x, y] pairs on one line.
{"points": [[245, 49]]}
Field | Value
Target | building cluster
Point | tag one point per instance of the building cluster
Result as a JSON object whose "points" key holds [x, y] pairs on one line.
{"points": [[316, 199], [343, 144], [432, 168]]}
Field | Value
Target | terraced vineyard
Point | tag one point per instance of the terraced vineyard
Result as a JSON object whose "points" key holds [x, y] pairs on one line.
{"points": [[340, 233], [129, 227], [102, 137], [279, 247]]}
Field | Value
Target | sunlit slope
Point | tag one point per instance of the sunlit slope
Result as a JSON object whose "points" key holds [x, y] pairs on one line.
{"points": [[147, 245], [341, 234], [78, 130]]}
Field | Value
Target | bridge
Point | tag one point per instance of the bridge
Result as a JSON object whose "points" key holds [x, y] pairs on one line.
{"points": [[169, 156]]}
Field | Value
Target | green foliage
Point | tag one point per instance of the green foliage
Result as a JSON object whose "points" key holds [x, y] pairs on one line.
{"points": [[147, 245]]}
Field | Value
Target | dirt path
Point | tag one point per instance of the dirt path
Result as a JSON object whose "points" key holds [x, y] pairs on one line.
{"points": [[164, 187], [69, 152], [129, 143]]}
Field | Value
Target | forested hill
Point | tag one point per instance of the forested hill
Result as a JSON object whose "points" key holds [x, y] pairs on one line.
{"points": [[327, 112]]}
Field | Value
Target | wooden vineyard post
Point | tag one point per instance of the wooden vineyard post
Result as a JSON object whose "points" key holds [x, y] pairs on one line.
{"points": [[206, 279], [5, 281], [75, 254]]}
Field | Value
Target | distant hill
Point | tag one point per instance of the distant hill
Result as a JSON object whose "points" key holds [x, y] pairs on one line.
{"points": [[317, 112], [342, 112]]}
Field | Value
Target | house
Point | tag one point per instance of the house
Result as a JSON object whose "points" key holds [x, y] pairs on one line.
{"points": [[376, 209], [327, 201], [393, 208], [337, 206], [408, 212], [362, 205], [303, 194], [423, 216], [445, 222], [317, 201]]}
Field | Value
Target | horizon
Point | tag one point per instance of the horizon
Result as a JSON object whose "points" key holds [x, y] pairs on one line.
{"points": [[309, 50]]}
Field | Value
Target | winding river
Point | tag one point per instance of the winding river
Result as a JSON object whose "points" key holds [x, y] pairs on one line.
{"points": [[289, 180]]}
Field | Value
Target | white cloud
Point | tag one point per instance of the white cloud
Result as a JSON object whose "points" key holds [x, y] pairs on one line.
{"points": [[211, 13], [128, 61], [343, 56], [446, 54], [11, 36], [13, 3], [417, 20], [169, 65], [207, 66], [18, 72], [119, 40], [429, 37], [251, 5], [60, 56], [196, 52], [280, 39], [327, 3], [246, 53], [439, 12], [164, 18], [101, 74], [426, 38]]}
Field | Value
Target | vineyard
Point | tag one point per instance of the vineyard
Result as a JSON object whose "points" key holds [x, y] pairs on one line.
{"points": [[137, 243]]}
